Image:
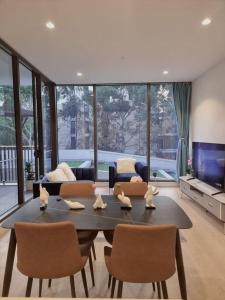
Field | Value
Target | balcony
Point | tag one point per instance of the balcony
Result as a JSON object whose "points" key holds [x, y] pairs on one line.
{"points": [[8, 176]]}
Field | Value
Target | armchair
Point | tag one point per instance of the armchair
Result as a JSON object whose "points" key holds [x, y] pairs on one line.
{"points": [[141, 170], [54, 187]]}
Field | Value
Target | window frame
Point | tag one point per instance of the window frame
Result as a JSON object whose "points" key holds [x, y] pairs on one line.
{"points": [[148, 131]]}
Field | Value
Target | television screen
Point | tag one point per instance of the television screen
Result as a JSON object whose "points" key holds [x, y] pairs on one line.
{"points": [[209, 163]]}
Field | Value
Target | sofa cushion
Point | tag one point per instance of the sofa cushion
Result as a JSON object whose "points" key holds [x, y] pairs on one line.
{"points": [[125, 176], [67, 170], [126, 165], [57, 175]]}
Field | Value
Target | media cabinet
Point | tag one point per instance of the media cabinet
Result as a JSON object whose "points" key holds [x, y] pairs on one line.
{"points": [[206, 195]]}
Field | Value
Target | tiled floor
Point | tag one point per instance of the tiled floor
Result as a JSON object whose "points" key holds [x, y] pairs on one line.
{"points": [[203, 252]]}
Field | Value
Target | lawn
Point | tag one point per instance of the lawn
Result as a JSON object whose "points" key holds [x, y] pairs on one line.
{"points": [[74, 163]]}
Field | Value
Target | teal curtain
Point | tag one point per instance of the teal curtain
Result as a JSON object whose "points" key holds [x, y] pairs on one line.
{"points": [[182, 102]]}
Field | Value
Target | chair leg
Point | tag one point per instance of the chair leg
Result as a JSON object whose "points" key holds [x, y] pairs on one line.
{"points": [[93, 250], [72, 286], [120, 289], [49, 283], [164, 290], [113, 286], [84, 282], [158, 289], [153, 286], [29, 286], [91, 270], [109, 281], [40, 287]]}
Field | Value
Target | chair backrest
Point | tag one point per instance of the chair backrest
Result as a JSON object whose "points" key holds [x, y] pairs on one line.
{"points": [[73, 189], [48, 250], [142, 253], [131, 188]]}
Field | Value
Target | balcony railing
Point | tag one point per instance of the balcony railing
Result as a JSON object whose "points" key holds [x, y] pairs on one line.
{"points": [[8, 162]]}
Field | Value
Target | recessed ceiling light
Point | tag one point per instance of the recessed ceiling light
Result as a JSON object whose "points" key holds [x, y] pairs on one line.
{"points": [[206, 21], [79, 74], [165, 72], [50, 25]]}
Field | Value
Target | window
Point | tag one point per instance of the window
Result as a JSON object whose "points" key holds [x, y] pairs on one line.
{"points": [[75, 125], [122, 114], [8, 158], [121, 124], [163, 133]]}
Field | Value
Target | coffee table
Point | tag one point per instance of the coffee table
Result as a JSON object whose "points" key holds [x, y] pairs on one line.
{"points": [[166, 212]]}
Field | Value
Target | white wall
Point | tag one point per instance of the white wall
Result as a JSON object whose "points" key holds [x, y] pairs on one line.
{"points": [[208, 106]]}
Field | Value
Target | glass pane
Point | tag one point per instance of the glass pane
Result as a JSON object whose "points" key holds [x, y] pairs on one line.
{"points": [[8, 161], [121, 124], [46, 117], [163, 133], [75, 125], [27, 123]]}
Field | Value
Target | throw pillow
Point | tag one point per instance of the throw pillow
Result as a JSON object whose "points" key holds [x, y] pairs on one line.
{"points": [[126, 165], [57, 175], [67, 170]]}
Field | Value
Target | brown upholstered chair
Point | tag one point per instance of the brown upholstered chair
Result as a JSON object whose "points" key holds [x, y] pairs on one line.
{"points": [[149, 251], [76, 189], [50, 251], [82, 189], [129, 189]]}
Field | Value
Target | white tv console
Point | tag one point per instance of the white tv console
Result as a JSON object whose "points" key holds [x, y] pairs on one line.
{"points": [[205, 195]]}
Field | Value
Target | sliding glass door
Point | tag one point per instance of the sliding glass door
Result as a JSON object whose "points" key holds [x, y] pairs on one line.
{"points": [[8, 155], [46, 127], [27, 127], [121, 112], [27, 132]]}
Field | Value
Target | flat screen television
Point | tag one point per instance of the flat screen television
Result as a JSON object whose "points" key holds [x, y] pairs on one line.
{"points": [[208, 162]]}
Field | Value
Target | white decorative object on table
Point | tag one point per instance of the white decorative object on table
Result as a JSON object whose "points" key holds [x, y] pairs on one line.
{"points": [[44, 195], [74, 205], [136, 179], [125, 200], [99, 203], [149, 198]]}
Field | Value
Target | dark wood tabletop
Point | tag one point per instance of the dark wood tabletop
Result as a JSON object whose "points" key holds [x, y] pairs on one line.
{"points": [[167, 212]]}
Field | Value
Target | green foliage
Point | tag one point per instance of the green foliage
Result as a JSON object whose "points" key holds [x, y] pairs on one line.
{"points": [[7, 119], [121, 117]]}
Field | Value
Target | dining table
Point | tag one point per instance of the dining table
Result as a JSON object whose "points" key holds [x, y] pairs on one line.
{"points": [[166, 211]]}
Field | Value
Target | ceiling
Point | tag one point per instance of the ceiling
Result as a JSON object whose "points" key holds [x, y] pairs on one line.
{"points": [[112, 41]]}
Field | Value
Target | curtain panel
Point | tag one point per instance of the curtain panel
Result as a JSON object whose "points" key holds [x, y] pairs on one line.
{"points": [[182, 103]]}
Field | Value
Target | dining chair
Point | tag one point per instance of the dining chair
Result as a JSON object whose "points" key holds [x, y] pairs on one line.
{"points": [[77, 189], [50, 250], [129, 189], [81, 189], [149, 251]]}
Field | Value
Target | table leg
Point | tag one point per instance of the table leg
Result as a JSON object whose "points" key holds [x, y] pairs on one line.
{"points": [[180, 268], [9, 264]]}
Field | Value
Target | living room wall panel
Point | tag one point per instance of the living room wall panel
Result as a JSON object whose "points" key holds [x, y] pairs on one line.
{"points": [[208, 106]]}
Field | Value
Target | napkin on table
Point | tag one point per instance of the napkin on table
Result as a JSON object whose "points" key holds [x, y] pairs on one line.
{"points": [[74, 205]]}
